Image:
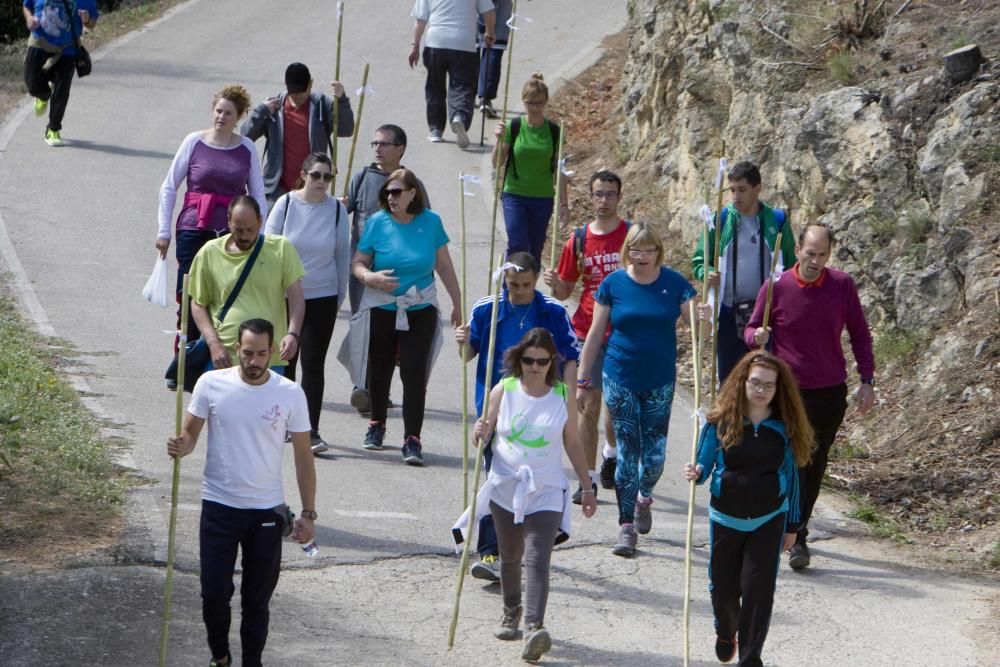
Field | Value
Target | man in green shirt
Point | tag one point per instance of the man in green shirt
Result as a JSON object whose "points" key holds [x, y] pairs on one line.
{"points": [[276, 275]]}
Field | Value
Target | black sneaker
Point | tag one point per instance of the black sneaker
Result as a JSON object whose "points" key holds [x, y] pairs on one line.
{"points": [[411, 451], [578, 494], [608, 468], [171, 385], [725, 649], [317, 444], [359, 400], [216, 663], [798, 557], [374, 436]]}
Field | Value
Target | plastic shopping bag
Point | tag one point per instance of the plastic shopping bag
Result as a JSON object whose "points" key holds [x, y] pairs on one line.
{"points": [[157, 289]]}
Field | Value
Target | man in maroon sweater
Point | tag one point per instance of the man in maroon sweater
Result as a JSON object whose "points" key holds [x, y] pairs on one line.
{"points": [[811, 305]]}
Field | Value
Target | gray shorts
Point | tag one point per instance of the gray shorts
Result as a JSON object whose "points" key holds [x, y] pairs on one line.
{"points": [[597, 370]]}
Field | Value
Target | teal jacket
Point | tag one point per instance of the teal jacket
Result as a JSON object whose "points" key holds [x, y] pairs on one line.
{"points": [[730, 218]]}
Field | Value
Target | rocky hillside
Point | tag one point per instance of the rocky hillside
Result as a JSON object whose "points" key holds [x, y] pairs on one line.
{"points": [[849, 110]]}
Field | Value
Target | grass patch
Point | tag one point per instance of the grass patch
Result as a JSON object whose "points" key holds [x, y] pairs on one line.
{"points": [[893, 345], [993, 557], [55, 461], [916, 229], [881, 525], [841, 66]]}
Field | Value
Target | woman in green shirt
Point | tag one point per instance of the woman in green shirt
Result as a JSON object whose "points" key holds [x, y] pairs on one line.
{"points": [[527, 148]]}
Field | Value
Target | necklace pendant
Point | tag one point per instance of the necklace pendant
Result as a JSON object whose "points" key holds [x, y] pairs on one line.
{"points": [[521, 324]]}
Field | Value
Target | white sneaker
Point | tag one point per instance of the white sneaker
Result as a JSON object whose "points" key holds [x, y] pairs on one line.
{"points": [[461, 136]]}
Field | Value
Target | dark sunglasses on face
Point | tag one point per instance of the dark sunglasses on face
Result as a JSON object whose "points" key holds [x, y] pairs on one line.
{"points": [[317, 175], [395, 192], [531, 361]]}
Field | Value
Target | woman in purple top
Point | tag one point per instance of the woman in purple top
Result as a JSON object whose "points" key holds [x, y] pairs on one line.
{"points": [[218, 165]]}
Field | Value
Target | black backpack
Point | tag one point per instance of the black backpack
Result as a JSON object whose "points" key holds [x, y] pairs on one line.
{"points": [[580, 239]]}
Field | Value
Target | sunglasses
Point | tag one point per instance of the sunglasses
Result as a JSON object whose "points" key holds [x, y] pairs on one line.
{"points": [[395, 192], [317, 175], [531, 361]]}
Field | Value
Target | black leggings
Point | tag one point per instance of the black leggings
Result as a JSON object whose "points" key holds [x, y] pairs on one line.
{"points": [[743, 570], [314, 342], [60, 75], [414, 348]]}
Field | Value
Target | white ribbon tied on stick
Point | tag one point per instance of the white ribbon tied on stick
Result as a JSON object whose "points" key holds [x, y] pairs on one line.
{"points": [[568, 173], [700, 416], [510, 21], [340, 9], [706, 215], [363, 90], [723, 166], [506, 265], [469, 179]]}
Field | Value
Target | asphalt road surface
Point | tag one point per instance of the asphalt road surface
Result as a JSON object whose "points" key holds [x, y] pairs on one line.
{"points": [[77, 226]]}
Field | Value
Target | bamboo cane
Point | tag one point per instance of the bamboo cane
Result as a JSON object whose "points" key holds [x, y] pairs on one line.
{"points": [[178, 425], [480, 445], [696, 356], [464, 351], [770, 280], [336, 103], [555, 209], [497, 178], [357, 128], [713, 382]]}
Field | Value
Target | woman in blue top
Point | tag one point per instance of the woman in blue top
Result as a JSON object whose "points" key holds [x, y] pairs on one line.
{"points": [[756, 437], [401, 248], [642, 302]]}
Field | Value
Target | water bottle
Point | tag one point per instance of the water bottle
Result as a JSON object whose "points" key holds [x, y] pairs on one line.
{"points": [[310, 549]]}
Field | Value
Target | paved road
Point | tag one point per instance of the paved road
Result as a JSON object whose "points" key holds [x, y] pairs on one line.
{"points": [[380, 593]]}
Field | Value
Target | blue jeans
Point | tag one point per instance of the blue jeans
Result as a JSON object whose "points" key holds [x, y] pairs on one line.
{"points": [[188, 243], [527, 222], [489, 73], [640, 420], [486, 543]]}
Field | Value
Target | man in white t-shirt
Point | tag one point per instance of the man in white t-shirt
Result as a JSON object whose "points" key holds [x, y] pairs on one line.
{"points": [[452, 60], [248, 409]]}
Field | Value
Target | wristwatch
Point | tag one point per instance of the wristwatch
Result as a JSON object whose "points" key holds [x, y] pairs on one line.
{"points": [[869, 381], [310, 514]]}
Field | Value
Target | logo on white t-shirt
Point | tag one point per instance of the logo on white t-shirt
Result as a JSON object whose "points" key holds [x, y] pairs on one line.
{"points": [[272, 416]]}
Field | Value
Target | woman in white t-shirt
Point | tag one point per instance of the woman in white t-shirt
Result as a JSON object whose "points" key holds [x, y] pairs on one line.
{"points": [[316, 224], [528, 493]]}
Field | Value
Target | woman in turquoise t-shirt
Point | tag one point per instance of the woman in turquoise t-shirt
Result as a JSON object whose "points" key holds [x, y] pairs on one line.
{"points": [[643, 302], [529, 171], [401, 248]]}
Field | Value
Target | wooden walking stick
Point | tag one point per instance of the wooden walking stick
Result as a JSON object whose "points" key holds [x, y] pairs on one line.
{"points": [[497, 178], [357, 127], [178, 426], [774, 267], [336, 103], [480, 445], [717, 290], [696, 360], [464, 351], [555, 208]]}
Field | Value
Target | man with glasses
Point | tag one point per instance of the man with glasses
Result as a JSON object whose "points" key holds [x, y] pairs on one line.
{"points": [[296, 123], [362, 201], [592, 253], [521, 309], [811, 305]]}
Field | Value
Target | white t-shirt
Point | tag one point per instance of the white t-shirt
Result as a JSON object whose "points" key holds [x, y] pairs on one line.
{"points": [[451, 24], [529, 433], [246, 434]]}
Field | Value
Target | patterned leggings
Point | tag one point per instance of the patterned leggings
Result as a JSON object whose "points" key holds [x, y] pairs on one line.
{"points": [[640, 420]]}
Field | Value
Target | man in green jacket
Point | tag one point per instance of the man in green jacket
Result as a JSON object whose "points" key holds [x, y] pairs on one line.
{"points": [[744, 261]]}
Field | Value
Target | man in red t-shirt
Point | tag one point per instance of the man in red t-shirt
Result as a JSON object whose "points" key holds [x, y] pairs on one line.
{"points": [[593, 253]]}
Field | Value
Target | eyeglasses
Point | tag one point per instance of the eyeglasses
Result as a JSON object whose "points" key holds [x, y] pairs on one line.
{"points": [[757, 385], [531, 361], [383, 144], [395, 192], [642, 253], [604, 195], [317, 175]]}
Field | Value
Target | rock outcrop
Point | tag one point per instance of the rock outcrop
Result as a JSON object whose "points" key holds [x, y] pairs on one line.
{"points": [[902, 165]]}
